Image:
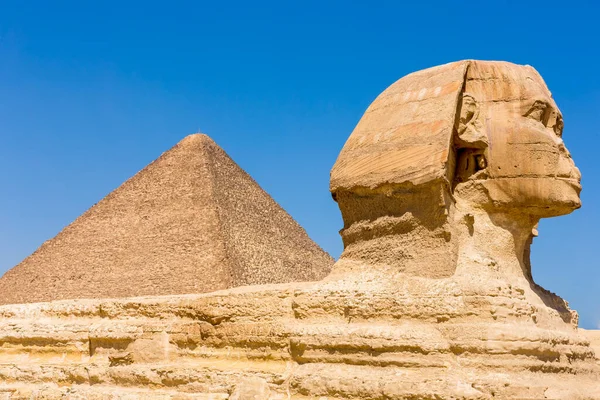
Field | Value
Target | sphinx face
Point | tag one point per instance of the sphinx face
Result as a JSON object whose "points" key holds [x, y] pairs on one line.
{"points": [[526, 166]]}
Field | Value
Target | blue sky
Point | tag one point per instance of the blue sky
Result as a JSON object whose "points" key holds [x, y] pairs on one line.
{"points": [[91, 92]]}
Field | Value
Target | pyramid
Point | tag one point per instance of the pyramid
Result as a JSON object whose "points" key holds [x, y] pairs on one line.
{"points": [[192, 221]]}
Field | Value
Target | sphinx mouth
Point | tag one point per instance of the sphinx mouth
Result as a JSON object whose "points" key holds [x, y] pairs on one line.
{"points": [[575, 183]]}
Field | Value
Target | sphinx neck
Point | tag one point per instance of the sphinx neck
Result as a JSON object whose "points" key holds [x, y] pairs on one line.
{"points": [[469, 242], [405, 244], [494, 243]]}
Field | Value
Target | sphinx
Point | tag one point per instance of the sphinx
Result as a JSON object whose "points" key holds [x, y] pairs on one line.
{"points": [[441, 186], [450, 170]]}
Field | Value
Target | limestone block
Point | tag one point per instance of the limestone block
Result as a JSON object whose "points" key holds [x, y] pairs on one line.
{"points": [[594, 337], [251, 389]]}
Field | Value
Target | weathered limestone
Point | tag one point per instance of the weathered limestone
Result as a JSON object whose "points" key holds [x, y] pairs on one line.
{"points": [[331, 340], [433, 297], [594, 337], [190, 222]]}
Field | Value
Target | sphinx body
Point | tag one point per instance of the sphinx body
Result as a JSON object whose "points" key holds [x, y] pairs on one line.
{"points": [[441, 186]]}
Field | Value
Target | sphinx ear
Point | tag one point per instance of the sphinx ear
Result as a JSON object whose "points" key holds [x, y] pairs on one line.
{"points": [[469, 129], [470, 141]]}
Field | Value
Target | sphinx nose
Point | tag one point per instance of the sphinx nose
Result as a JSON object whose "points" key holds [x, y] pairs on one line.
{"points": [[576, 173], [563, 149], [566, 166]]}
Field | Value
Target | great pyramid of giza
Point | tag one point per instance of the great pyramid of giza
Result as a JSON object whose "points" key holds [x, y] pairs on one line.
{"points": [[192, 221]]}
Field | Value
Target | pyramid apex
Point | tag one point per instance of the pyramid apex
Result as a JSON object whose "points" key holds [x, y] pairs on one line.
{"points": [[197, 138]]}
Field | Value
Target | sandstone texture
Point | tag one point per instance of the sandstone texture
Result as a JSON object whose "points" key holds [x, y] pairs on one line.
{"points": [[441, 187], [190, 222]]}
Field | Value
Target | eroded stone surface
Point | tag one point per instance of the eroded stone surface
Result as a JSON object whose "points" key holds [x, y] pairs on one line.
{"points": [[433, 297], [251, 389], [308, 340], [594, 337]]}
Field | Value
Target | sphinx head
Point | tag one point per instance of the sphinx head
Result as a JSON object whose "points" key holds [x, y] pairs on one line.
{"points": [[486, 134], [508, 146]]}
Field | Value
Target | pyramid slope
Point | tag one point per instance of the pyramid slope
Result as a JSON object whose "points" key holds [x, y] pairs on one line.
{"points": [[192, 221]]}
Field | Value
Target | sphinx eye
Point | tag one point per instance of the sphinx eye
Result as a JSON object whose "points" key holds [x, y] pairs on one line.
{"points": [[538, 112]]}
